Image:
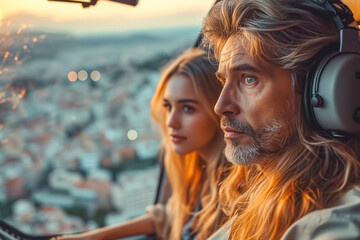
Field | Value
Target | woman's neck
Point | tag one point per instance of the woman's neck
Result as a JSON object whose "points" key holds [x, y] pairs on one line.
{"points": [[207, 151]]}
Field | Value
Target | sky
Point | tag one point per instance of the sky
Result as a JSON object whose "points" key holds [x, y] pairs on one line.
{"points": [[106, 16]]}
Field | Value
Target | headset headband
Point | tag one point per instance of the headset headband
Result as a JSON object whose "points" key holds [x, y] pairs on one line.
{"points": [[342, 15]]}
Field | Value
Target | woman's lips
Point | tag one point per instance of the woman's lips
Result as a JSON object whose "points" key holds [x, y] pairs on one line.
{"points": [[177, 138]]}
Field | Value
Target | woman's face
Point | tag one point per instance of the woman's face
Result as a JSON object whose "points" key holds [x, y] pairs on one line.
{"points": [[190, 127]]}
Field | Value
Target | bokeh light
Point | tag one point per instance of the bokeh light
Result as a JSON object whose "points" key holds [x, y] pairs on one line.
{"points": [[72, 76], [95, 75], [82, 75], [132, 135]]}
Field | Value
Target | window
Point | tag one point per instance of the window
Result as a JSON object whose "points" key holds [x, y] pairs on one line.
{"points": [[78, 149]]}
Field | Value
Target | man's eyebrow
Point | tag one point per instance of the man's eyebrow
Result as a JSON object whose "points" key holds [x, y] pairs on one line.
{"points": [[244, 67], [240, 67]]}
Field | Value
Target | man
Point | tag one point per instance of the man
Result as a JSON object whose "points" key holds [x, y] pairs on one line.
{"points": [[289, 180]]}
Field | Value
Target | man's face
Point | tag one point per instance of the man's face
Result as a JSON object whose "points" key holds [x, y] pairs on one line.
{"points": [[256, 105]]}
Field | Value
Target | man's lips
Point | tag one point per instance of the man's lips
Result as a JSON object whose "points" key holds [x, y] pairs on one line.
{"points": [[177, 138], [232, 133]]}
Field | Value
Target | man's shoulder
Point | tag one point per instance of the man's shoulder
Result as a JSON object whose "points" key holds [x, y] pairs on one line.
{"points": [[223, 232], [337, 222]]}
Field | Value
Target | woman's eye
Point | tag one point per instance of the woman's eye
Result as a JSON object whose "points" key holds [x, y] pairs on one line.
{"points": [[250, 79], [188, 108], [167, 107]]}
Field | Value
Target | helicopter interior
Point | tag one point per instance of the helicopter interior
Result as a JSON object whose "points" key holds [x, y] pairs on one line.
{"points": [[79, 102]]}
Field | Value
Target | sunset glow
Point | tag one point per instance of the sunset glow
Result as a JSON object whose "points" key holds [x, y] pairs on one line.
{"points": [[354, 5], [105, 16]]}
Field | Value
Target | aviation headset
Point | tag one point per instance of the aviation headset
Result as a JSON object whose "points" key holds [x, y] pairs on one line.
{"points": [[331, 96]]}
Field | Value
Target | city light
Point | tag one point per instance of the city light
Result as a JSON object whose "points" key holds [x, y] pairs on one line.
{"points": [[72, 76], [95, 75], [82, 75], [132, 135]]}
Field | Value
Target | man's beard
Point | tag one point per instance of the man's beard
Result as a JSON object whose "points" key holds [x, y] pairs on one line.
{"points": [[269, 140]]}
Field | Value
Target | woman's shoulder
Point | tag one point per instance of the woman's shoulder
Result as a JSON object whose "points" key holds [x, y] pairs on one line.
{"points": [[341, 221]]}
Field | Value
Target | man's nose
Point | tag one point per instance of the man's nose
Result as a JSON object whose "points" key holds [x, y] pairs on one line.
{"points": [[226, 104], [173, 120]]}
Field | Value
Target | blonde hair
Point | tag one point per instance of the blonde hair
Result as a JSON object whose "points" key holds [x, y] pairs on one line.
{"points": [[186, 173], [313, 172]]}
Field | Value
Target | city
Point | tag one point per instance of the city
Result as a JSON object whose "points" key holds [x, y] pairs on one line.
{"points": [[78, 147]]}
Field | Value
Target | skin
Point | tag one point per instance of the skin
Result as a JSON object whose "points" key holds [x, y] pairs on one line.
{"points": [[136, 226], [190, 127], [256, 94]]}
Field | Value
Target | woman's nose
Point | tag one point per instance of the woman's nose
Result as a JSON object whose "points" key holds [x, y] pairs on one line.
{"points": [[173, 120]]}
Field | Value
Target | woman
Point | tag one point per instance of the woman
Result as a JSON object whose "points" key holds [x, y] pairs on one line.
{"points": [[183, 108]]}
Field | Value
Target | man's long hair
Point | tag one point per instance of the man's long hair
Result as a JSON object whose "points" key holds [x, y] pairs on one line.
{"points": [[187, 173], [315, 170]]}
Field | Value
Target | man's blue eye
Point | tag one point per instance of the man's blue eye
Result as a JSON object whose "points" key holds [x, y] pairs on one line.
{"points": [[250, 79]]}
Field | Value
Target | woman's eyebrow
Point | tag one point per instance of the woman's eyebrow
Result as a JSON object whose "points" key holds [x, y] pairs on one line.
{"points": [[188, 100]]}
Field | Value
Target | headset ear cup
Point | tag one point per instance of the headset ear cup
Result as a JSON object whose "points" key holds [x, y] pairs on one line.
{"points": [[331, 93], [339, 86], [331, 89], [306, 98], [311, 80]]}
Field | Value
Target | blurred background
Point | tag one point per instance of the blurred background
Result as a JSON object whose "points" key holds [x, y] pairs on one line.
{"points": [[78, 149]]}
